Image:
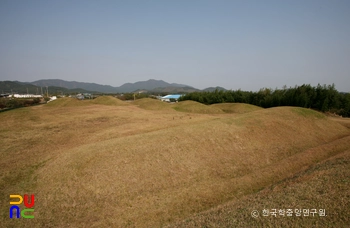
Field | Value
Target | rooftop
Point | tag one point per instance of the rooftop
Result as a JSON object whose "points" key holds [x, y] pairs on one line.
{"points": [[172, 96]]}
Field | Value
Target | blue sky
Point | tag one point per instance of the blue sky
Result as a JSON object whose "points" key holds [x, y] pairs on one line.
{"points": [[244, 45]]}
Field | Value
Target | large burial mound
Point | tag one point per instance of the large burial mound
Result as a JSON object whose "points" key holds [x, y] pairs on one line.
{"points": [[236, 107], [108, 100], [66, 102], [152, 104], [196, 107], [111, 166], [323, 186]]}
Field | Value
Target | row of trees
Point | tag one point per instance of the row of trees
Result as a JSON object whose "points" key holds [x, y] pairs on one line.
{"points": [[323, 98], [10, 103]]}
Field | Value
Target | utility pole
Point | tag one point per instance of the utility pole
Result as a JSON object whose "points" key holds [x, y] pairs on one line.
{"points": [[47, 91]]}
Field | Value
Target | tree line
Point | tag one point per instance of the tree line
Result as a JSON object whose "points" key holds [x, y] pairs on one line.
{"points": [[10, 103], [323, 98]]}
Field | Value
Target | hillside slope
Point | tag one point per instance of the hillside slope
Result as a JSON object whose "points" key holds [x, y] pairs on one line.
{"points": [[323, 186], [152, 104], [196, 107], [236, 107], [66, 102], [108, 100], [150, 168]]}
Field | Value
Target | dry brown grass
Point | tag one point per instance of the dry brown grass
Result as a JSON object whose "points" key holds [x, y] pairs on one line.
{"points": [[118, 166], [67, 102], [236, 107], [343, 121], [324, 185], [196, 107], [108, 100], [152, 104]]}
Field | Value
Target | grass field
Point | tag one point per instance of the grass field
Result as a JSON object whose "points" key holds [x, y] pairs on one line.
{"points": [[195, 107], [236, 107], [152, 104], [106, 163]]}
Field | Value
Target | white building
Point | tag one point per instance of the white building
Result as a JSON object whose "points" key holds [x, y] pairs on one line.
{"points": [[52, 99], [172, 96], [26, 96]]}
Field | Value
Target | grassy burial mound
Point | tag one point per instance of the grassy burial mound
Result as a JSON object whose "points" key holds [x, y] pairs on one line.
{"points": [[343, 121], [196, 107], [317, 188], [152, 104], [236, 107], [66, 102], [108, 100], [149, 176]]}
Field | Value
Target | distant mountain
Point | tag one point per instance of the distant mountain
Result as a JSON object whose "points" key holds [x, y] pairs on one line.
{"points": [[18, 87], [172, 89], [149, 85], [211, 89], [58, 86], [75, 85], [125, 88], [23, 88]]}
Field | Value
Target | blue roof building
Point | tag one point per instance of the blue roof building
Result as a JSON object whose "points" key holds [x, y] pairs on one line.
{"points": [[171, 96]]}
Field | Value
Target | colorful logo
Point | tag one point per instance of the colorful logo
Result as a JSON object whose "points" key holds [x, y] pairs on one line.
{"points": [[26, 204]]}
